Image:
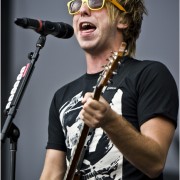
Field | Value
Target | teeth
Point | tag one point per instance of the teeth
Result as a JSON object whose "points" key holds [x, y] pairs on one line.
{"points": [[87, 25]]}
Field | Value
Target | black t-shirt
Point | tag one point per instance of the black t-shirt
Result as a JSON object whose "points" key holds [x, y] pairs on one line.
{"points": [[140, 91]]}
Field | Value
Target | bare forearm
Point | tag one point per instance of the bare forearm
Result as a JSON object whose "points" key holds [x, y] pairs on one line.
{"points": [[143, 152], [146, 150]]}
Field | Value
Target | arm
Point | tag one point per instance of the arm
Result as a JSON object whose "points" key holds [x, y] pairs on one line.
{"points": [[146, 150], [54, 166]]}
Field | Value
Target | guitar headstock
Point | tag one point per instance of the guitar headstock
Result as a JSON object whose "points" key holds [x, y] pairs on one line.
{"points": [[110, 68]]}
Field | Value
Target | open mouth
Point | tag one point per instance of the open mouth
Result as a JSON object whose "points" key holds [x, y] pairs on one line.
{"points": [[87, 26]]}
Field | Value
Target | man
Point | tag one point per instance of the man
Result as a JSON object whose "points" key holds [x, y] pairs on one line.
{"points": [[135, 118]]}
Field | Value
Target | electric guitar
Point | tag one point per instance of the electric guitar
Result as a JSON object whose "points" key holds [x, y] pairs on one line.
{"points": [[73, 171]]}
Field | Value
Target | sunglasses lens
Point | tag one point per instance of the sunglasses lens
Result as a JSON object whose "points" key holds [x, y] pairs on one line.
{"points": [[95, 4], [75, 6]]}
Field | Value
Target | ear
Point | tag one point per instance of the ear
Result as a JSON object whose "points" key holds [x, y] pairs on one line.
{"points": [[121, 25]]}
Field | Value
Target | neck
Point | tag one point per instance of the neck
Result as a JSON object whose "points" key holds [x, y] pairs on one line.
{"points": [[95, 63], [97, 58]]}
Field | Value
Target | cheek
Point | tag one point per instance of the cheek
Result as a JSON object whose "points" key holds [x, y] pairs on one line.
{"points": [[103, 21], [74, 23]]}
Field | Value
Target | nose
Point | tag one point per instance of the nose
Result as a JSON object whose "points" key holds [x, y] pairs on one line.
{"points": [[84, 10]]}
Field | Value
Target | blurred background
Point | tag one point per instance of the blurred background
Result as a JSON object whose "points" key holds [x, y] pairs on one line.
{"points": [[61, 61]]}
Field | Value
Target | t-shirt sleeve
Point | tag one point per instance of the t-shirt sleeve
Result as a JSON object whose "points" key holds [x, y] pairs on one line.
{"points": [[158, 94], [56, 138]]}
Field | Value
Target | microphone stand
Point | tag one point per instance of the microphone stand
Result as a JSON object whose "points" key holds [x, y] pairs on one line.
{"points": [[9, 129]]}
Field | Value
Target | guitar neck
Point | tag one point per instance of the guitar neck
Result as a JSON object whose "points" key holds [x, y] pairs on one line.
{"points": [[78, 156], [73, 172]]}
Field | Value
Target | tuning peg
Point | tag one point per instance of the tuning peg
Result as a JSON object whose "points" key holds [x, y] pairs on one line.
{"points": [[100, 76], [114, 56], [107, 67], [111, 59], [115, 53], [112, 52], [114, 72], [110, 81], [103, 66]]}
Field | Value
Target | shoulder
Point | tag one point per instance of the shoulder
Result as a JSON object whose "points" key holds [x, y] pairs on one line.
{"points": [[146, 68], [154, 66], [71, 85], [144, 64], [67, 91]]}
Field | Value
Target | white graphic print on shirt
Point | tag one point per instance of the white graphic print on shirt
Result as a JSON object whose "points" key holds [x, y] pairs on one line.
{"points": [[103, 160]]}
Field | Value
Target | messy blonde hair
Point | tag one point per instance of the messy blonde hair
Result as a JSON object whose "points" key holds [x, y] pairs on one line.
{"points": [[133, 17]]}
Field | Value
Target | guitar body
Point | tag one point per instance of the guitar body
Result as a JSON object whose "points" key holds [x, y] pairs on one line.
{"points": [[73, 172]]}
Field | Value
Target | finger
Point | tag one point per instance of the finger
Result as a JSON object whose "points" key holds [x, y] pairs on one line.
{"points": [[94, 105], [87, 96], [89, 120], [94, 109], [81, 114], [91, 106]]}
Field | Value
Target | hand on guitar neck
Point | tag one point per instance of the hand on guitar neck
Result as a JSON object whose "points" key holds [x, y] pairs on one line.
{"points": [[96, 113]]}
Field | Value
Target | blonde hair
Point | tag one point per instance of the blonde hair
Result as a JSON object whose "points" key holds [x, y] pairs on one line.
{"points": [[133, 17]]}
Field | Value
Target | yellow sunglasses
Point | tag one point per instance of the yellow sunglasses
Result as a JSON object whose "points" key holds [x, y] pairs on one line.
{"points": [[75, 5]]}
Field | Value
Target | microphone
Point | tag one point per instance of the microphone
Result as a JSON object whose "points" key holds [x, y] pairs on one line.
{"points": [[57, 29]]}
